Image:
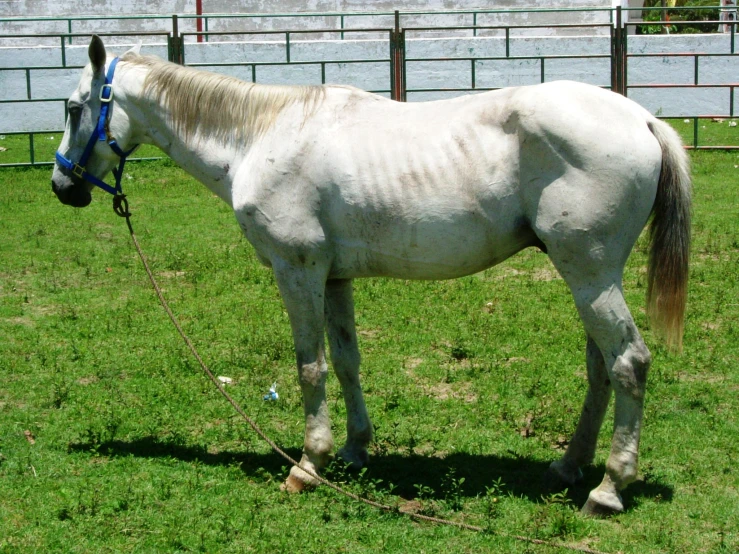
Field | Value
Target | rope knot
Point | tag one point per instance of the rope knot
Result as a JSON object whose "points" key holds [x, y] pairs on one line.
{"points": [[120, 206]]}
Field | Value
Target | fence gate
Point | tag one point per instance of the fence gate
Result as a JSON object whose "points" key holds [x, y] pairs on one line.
{"points": [[405, 56]]}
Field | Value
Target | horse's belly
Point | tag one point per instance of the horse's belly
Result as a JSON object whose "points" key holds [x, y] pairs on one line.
{"points": [[435, 248]]}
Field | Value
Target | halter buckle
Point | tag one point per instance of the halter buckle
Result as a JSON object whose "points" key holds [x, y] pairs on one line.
{"points": [[78, 171], [109, 89]]}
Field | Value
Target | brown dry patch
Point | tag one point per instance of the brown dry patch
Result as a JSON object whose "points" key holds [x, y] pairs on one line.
{"points": [[21, 321], [489, 307], [369, 333], [214, 423], [171, 274], [29, 437], [445, 391], [97, 460], [508, 272], [464, 363], [84, 381], [713, 257], [701, 378], [544, 274], [43, 311], [527, 430], [410, 507], [710, 326], [412, 363]]}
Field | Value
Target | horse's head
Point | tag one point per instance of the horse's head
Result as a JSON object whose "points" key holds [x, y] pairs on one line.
{"points": [[86, 154]]}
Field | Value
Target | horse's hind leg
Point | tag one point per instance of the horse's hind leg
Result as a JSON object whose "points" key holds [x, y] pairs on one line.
{"points": [[581, 449], [626, 358], [302, 290], [342, 338]]}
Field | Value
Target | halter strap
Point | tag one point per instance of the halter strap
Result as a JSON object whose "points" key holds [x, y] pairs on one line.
{"points": [[100, 133]]}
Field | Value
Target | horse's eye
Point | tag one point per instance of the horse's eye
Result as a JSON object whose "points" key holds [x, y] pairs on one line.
{"points": [[74, 109]]}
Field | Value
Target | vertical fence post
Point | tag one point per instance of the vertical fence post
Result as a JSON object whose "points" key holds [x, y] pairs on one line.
{"points": [[403, 89], [397, 61], [393, 84], [199, 21], [623, 59], [614, 49], [616, 53], [176, 41]]}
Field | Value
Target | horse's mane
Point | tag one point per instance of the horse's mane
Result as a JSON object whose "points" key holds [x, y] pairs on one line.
{"points": [[204, 104]]}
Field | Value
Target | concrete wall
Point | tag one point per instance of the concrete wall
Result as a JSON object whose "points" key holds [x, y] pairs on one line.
{"points": [[50, 85], [292, 14], [29, 8]]}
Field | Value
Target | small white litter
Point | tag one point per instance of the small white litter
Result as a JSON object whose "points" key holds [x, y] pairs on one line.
{"points": [[272, 394], [225, 380], [732, 123]]}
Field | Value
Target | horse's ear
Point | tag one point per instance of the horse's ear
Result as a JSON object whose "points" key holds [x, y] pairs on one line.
{"points": [[96, 51], [136, 50]]}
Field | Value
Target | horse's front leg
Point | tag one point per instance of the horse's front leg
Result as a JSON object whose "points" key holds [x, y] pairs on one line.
{"points": [[302, 288], [342, 338]]}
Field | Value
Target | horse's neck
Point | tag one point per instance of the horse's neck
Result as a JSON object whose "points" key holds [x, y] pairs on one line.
{"points": [[206, 160]]}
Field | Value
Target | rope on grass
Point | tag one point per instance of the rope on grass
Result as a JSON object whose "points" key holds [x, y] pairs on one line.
{"points": [[120, 206]]}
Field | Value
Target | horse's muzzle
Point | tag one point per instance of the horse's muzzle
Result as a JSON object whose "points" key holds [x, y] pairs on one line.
{"points": [[74, 194]]}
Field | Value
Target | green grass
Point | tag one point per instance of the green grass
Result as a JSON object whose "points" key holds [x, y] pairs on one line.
{"points": [[715, 132], [18, 148], [111, 440]]}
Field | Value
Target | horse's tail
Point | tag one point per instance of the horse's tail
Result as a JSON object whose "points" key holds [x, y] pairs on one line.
{"points": [[669, 235]]}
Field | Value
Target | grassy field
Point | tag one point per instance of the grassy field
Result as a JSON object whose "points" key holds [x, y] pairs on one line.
{"points": [[111, 440]]}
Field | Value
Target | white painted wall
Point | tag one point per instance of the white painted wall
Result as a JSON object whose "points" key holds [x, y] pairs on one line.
{"points": [[95, 16], [50, 85]]}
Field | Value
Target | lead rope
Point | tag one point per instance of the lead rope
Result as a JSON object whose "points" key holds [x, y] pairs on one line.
{"points": [[120, 206]]}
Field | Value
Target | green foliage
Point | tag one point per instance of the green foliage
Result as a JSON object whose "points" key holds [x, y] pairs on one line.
{"points": [[692, 11], [111, 441]]}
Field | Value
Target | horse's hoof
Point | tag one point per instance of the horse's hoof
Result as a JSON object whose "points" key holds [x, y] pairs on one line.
{"points": [[601, 504], [563, 474], [292, 485], [355, 459], [298, 481]]}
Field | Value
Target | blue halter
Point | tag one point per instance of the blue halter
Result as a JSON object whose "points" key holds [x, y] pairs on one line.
{"points": [[101, 132]]}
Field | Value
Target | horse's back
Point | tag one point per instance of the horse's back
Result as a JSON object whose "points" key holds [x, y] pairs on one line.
{"points": [[443, 189]]}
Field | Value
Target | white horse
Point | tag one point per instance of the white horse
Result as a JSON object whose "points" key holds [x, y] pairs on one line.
{"points": [[332, 183]]}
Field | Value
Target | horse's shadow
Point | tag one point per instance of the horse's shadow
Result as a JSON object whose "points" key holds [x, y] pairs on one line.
{"points": [[408, 476]]}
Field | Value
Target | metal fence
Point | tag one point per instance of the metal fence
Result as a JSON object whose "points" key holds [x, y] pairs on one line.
{"points": [[388, 58], [694, 84]]}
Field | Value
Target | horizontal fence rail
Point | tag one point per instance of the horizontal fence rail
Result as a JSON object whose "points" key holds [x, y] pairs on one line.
{"points": [[405, 56]]}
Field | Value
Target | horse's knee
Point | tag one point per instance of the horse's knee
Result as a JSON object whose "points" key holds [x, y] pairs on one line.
{"points": [[313, 375]]}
